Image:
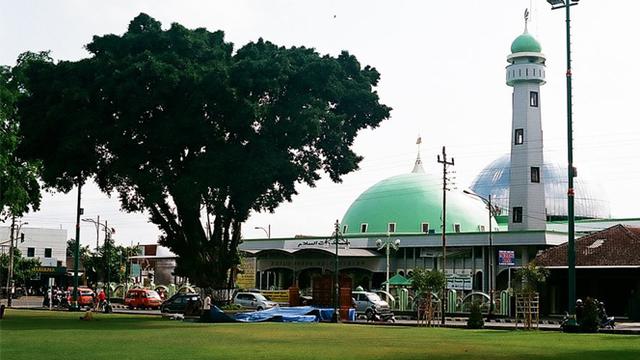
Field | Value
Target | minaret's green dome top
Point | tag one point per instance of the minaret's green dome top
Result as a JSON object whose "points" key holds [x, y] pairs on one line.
{"points": [[525, 43], [408, 201]]}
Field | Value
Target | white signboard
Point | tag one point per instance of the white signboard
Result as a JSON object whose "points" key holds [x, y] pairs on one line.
{"points": [[459, 282]]}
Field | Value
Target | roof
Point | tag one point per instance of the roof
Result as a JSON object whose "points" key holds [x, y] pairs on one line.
{"points": [[525, 43], [592, 201], [618, 246], [409, 200], [399, 280], [341, 251]]}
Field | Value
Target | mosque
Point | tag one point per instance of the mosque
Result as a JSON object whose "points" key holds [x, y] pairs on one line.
{"points": [[528, 212], [515, 212]]}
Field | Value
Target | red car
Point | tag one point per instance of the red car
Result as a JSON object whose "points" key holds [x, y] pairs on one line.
{"points": [[142, 299], [86, 296]]}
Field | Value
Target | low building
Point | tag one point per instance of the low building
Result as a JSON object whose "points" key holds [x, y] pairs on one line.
{"points": [[607, 268], [49, 246]]}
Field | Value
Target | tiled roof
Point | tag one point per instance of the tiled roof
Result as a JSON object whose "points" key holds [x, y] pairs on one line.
{"points": [[618, 245]]}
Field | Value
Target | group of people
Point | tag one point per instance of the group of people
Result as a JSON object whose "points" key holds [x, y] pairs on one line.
{"points": [[61, 298], [56, 296]]}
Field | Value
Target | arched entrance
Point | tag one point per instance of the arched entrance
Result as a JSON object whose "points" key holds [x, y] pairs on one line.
{"points": [[278, 278], [478, 279]]}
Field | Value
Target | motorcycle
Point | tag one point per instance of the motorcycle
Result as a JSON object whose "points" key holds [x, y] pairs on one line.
{"points": [[606, 322]]}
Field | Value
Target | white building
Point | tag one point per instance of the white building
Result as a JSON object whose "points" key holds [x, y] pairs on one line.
{"points": [[47, 245]]}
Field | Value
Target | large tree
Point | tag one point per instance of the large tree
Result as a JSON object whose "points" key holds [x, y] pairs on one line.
{"points": [[19, 189], [181, 125]]}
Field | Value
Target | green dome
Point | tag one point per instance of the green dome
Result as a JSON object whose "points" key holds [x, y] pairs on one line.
{"points": [[408, 201], [525, 43]]}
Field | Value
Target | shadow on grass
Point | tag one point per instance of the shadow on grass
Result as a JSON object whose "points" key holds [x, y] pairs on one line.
{"points": [[23, 320]]}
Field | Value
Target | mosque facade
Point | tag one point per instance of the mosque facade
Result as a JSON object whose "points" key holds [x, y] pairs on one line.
{"points": [[528, 194]]}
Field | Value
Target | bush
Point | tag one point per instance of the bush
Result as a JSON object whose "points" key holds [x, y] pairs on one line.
{"points": [[475, 318], [231, 307], [589, 319]]}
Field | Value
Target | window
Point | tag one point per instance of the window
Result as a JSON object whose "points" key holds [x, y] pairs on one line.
{"points": [[425, 228], [519, 138], [363, 228], [456, 228], [47, 252], [391, 227], [535, 174], [533, 98], [31, 252], [517, 214], [344, 228]]}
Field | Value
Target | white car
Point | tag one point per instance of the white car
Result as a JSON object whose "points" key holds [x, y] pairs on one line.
{"points": [[253, 301]]}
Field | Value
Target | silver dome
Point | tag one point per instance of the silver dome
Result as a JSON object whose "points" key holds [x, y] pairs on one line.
{"points": [[590, 200]]}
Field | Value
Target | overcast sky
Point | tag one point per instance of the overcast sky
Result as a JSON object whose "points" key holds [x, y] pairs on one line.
{"points": [[442, 71]]}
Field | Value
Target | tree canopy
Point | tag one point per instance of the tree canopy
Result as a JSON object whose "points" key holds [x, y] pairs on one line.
{"points": [[181, 125], [19, 189]]}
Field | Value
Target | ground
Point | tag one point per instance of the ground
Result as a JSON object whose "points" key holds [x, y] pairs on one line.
{"points": [[29, 334]]}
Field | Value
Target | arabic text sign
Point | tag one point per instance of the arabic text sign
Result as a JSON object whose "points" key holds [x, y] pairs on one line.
{"points": [[506, 257], [459, 282]]}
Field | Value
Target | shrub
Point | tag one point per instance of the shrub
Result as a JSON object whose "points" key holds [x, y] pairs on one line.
{"points": [[231, 307], [589, 319], [475, 317]]}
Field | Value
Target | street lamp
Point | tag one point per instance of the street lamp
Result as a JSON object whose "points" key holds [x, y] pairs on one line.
{"points": [[266, 231], [571, 252], [492, 212], [107, 237], [388, 244]]}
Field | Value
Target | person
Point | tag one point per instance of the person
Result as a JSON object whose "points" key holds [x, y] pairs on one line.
{"points": [[102, 299], [206, 308]]}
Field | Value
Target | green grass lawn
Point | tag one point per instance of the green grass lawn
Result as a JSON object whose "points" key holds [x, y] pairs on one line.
{"points": [[58, 335]]}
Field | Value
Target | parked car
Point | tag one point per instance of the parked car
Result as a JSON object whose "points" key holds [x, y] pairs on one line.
{"points": [[86, 296], [142, 299], [178, 302], [252, 300], [367, 302]]}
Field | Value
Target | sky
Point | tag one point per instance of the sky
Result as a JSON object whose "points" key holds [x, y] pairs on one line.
{"points": [[442, 67]]}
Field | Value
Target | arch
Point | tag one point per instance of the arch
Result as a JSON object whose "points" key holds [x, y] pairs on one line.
{"points": [[465, 303], [478, 280], [305, 278], [502, 279]]}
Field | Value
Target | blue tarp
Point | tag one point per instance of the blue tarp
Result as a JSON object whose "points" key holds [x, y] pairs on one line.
{"points": [[278, 314]]}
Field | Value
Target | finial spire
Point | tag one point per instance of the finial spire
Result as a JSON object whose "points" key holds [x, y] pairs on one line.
{"points": [[526, 20], [417, 168]]}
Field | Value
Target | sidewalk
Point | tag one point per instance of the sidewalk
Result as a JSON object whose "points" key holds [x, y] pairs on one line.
{"points": [[509, 324], [35, 302]]}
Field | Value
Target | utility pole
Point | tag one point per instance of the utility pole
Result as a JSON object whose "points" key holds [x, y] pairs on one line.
{"points": [[336, 299], [10, 269], [76, 260], [444, 163], [107, 251]]}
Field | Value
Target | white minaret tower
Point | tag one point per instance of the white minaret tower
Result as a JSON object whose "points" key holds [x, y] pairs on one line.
{"points": [[525, 74]]}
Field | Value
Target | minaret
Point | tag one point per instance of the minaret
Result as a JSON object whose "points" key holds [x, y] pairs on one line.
{"points": [[525, 73]]}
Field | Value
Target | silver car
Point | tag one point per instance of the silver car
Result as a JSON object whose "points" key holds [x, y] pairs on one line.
{"points": [[366, 302], [253, 301]]}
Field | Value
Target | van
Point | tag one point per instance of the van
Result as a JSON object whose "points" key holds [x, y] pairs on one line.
{"points": [[142, 299], [366, 302]]}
